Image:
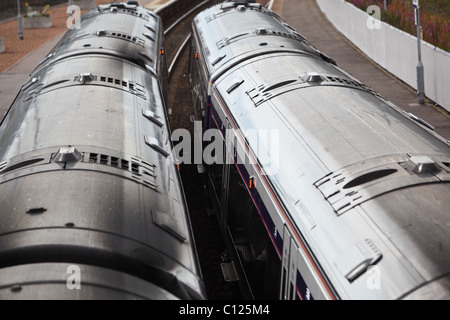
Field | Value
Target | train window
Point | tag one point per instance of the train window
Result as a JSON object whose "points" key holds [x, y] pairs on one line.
{"points": [[253, 244]]}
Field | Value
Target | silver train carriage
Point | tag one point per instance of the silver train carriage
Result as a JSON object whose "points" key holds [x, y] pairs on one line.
{"points": [[332, 192], [91, 202]]}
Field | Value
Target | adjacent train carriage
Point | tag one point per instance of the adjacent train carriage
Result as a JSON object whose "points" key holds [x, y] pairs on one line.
{"points": [[91, 203], [323, 188]]}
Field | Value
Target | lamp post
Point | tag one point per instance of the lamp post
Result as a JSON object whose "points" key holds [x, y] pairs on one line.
{"points": [[419, 68], [19, 21]]}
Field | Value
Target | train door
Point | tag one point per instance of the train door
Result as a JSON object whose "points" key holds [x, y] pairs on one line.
{"points": [[253, 252], [217, 175], [197, 83], [225, 183], [289, 267]]}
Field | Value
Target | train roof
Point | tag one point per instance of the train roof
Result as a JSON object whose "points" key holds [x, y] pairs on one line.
{"points": [[358, 176], [139, 39], [88, 137], [242, 30]]}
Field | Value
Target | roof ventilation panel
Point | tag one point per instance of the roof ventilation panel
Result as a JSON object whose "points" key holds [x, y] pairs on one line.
{"points": [[368, 177]]}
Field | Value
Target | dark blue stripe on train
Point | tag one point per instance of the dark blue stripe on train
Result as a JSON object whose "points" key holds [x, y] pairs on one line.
{"points": [[302, 289]]}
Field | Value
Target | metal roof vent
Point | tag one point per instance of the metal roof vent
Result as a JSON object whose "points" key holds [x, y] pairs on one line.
{"points": [[237, 83], [261, 31], [368, 177], [156, 145], [149, 27], [101, 33], [312, 77], [218, 60], [153, 117], [423, 164], [357, 259], [67, 154], [84, 77]]}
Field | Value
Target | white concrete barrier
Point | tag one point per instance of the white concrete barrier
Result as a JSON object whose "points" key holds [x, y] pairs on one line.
{"points": [[393, 49]]}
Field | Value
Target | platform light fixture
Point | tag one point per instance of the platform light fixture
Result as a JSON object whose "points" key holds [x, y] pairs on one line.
{"points": [[19, 20]]}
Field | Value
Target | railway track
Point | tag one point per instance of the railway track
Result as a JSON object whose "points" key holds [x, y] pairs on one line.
{"points": [[207, 234]]}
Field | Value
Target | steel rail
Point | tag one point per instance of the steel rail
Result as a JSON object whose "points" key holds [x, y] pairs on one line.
{"points": [[178, 53], [184, 16]]}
